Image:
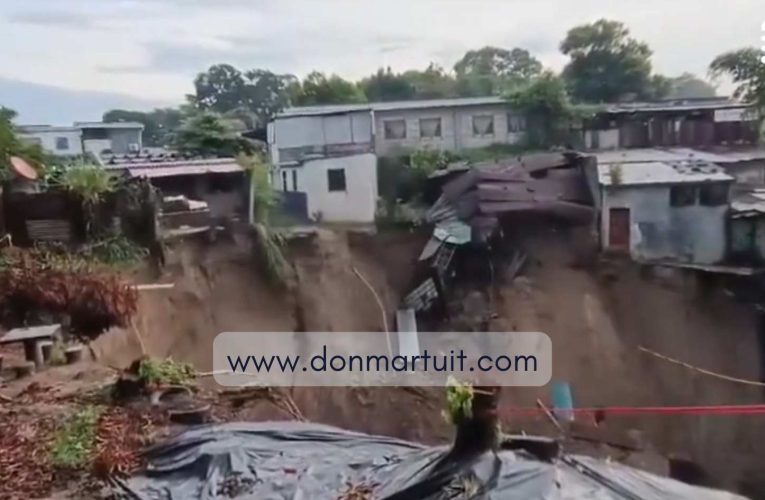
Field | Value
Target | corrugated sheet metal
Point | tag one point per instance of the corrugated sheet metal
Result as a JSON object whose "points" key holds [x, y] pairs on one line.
{"points": [[662, 173], [168, 170], [49, 230]]}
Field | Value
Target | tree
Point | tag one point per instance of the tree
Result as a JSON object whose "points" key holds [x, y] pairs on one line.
{"points": [[547, 108], [489, 70], [12, 145], [689, 86], [747, 70], [387, 86], [267, 93], [606, 63], [219, 89], [317, 88], [207, 134], [159, 124], [252, 96], [433, 83]]}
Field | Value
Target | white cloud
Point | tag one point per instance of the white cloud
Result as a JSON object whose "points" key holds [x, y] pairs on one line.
{"points": [[153, 48]]}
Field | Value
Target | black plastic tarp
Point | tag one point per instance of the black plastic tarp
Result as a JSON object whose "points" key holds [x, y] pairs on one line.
{"points": [[298, 461]]}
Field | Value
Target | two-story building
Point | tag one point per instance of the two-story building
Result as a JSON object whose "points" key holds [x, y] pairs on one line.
{"points": [[330, 152], [86, 137]]}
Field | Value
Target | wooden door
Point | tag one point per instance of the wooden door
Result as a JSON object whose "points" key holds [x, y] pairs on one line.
{"points": [[619, 228]]}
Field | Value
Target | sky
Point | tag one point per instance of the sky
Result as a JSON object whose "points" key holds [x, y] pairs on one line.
{"points": [[67, 60]]}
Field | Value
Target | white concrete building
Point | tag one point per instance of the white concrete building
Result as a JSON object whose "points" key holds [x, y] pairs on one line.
{"points": [[662, 210], [82, 137], [329, 158], [306, 144], [59, 141]]}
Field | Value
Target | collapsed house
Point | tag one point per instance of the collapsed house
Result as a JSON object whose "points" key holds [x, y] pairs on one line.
{"points": [[478, 200]]}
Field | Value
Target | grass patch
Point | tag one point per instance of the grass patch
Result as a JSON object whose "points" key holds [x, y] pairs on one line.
{"points": [[165, 371], [75, 439], [459, 401]]}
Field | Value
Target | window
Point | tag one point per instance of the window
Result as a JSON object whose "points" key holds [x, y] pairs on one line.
{"points": [[62, 143], [284, 180], [682, 196], [430, 127], [483, 125], [713, 195], [294, 180], [516, 123], [336, 179], [394, 129]]}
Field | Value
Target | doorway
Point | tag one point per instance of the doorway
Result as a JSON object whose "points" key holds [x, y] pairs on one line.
{"points": [[619, 229]]}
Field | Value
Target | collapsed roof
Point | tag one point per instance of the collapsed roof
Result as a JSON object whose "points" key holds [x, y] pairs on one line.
{"points": [[544, 183]]}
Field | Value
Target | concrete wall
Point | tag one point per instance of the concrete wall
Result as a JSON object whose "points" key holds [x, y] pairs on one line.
{"points": [[310, 134], [47, 140], [456, 129], [122, 138], [357, 203], [692, 234], [96, 146], [601, 139]]}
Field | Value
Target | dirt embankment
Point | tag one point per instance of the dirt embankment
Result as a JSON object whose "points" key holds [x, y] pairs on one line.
{"points": [[596, 316]]}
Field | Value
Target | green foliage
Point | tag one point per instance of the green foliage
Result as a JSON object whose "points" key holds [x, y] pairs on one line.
{"points": [[253, 96], [432, 83], [689, 86], [606, 63], [427, 160], [459, 401], [317, 88], [615, 171], [747, 70], [75, 439], [116, 251], [165, 372], [264, 197], [269, 243], [491, 70], [89, 182], [269, 251], [208, 134], [388, 86], [547, 108], [12, 145]]}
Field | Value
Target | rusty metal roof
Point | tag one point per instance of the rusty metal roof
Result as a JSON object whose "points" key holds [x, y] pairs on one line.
{"points": [[541, 183], [180, 167]]}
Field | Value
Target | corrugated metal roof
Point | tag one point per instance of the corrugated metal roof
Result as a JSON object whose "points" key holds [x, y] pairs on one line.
{"points": [[31, 129], [390, 106], [642, 155], [128, 125], [658, 172], [189, 167], [675, 105], [748, 201], [735, 156]]}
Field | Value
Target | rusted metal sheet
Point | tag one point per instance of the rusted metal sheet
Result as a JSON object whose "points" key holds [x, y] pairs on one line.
{"points": [[550, 183]]}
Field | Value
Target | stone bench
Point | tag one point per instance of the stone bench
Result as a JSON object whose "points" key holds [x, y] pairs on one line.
{"points": [[31, 338]]}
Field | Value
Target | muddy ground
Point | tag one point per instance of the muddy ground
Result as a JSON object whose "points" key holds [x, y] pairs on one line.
{"points": [[597, 312]]}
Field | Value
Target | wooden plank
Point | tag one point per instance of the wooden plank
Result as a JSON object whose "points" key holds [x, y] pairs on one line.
{"points": [[154, 286]]}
